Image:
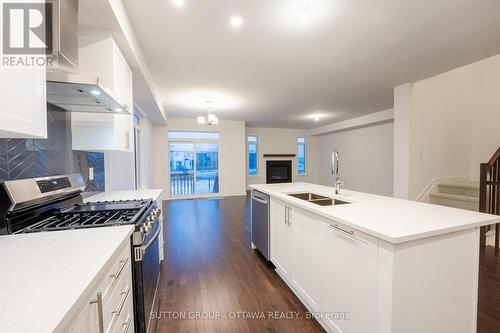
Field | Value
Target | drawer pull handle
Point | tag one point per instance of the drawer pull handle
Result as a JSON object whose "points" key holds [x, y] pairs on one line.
{"points": [[117, 274], [126, 325], [345, 231], [122, 302], [349, 233], [98, 301]]}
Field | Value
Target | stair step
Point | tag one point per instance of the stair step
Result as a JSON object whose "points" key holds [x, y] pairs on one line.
{"points": [[456, 201], [468, 188]]}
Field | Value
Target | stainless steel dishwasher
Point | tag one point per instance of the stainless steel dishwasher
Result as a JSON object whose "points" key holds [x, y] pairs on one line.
{"points": [[260, 222]]}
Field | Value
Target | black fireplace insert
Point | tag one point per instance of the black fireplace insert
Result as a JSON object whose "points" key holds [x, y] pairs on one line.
{"points": [[278, 172]]}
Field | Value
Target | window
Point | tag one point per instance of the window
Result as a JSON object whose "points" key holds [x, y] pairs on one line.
{"points": [[137, 119], [253, 150], [301, 156], [194, 163], [193, 135]]}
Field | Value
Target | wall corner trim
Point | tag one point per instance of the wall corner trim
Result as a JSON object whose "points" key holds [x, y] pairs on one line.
{"points": [[362, 121]]}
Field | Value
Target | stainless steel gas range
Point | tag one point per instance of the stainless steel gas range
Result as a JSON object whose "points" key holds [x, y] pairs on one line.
{"points": [[56, 203]]}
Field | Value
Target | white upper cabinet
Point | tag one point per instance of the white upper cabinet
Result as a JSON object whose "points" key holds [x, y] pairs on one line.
{"points": [[122, 83], [349, 279], [23, 106], [99, 55], [102, 132]]}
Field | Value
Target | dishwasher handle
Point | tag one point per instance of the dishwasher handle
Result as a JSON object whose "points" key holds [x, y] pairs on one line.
{"points": [[262, 201]]}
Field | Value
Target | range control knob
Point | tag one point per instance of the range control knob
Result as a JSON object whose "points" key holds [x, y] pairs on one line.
{"points": [[151, 217]]}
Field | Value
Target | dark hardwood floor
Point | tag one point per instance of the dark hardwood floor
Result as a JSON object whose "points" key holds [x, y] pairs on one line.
{"points": [[211, 271], [489, 291]]}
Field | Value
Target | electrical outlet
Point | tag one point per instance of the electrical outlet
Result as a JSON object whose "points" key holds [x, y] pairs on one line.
{"points": [[91, 173]]}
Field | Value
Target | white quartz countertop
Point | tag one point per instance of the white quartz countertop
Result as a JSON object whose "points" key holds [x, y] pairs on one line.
{"points": [[390, 219], [154, 194], [43, 275]]}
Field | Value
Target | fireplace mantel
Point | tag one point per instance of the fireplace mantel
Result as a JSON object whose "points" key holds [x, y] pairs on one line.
{"points": [[279, 155]]}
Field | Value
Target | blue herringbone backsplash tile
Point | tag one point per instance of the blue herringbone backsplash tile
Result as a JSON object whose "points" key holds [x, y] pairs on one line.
{"points": [[30, 158]]}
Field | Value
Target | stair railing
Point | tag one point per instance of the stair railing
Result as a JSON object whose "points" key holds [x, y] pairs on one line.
{"points": [[489, 194]]}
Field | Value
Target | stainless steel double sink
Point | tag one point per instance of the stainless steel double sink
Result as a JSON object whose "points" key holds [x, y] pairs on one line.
{"points": [[317, 199]]}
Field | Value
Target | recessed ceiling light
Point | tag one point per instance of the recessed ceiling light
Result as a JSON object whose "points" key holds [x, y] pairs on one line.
{"points": [[236, 21], [177, 3], [316, 118], [95, 92], [118, 109]]}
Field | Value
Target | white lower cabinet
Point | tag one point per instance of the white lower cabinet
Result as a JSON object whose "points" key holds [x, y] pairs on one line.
{"points": [[307, 243], [109, 304], [281, 239], [331, 268], [349, 280]]}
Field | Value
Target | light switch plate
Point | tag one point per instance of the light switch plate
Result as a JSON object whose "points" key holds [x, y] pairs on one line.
{"points": [[91, 173]]}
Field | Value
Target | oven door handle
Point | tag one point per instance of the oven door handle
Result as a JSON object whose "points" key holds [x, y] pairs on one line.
{"points": [[152, 240]]}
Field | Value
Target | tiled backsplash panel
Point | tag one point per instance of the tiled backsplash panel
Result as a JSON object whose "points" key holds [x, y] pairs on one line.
{"points": [[30, 158], [83, 162]]}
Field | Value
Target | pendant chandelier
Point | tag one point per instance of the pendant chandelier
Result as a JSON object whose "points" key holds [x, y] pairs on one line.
{"points": [[210, 118]]}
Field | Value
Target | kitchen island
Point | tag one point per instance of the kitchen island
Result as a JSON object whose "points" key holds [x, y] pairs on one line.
{"points": [[370, 263]]}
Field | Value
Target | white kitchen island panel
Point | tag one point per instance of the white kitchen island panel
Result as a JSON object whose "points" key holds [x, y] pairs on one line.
{"points": [[377, 264]]}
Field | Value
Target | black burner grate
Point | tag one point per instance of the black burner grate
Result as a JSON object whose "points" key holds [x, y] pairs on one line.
{"points": [[91, 215]]}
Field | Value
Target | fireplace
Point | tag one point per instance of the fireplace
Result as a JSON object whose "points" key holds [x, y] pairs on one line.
{"points": [[278, 172]]}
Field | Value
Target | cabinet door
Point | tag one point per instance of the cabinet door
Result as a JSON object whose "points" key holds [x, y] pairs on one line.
{"points": [[86, 322], [124, 125], [128, 94], [101, 132], [23, 112], [281, 239], [307, 243], [349, 280], [122, 78]]}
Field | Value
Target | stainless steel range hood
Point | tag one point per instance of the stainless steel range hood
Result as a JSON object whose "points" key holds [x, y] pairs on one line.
{"points": [[67, 87], [81, 93]]}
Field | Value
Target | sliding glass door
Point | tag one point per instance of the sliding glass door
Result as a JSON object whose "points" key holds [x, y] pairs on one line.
{"points": [[182, 169], [207, 168], [194, 168]]}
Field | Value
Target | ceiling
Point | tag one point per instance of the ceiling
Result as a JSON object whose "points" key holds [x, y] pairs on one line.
{"points": [[286, 65]]}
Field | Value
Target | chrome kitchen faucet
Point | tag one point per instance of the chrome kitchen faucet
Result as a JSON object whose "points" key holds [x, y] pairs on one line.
{"points": [[335, 171]]}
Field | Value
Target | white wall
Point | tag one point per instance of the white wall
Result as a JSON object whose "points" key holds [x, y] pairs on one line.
{"points": [[120, 171], [366, 158], [282, 141], [454, 121], [401, 187], [147, 173], [231, 153]]}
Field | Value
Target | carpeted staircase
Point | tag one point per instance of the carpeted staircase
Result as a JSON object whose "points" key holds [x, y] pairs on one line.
{"points": [[462, 194]]}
